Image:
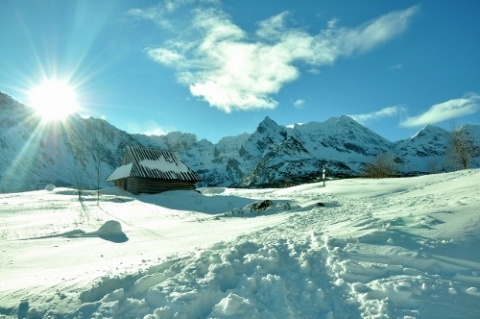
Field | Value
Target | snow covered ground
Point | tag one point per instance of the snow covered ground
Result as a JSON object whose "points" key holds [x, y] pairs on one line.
{"points": [[358, 248]]}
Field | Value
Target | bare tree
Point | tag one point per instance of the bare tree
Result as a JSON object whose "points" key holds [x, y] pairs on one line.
{"points": [[78, 169], [461, 148], [384, 165], [433, 165], [79, 179], [98, 158]]}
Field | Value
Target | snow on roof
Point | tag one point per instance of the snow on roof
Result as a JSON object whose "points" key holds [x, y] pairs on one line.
{"points": [[154, 163], [121, 172], [164, 165]]}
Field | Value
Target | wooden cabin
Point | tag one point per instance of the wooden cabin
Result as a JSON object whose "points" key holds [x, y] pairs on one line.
{"points": [[149, 170]]}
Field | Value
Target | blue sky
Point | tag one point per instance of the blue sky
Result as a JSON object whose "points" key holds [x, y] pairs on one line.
{"points": [[217, 68]]}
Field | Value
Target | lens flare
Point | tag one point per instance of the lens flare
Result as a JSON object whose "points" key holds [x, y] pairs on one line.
{"points": [[53, 100]]}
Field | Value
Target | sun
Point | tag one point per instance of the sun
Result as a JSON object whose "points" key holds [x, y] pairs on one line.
{"points": [[53, 100]]}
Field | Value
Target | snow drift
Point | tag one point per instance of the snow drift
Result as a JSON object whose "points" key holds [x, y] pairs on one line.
{"points": [[379, 248]]}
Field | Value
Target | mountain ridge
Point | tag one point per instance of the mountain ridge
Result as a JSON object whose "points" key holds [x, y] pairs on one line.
{"points": [[82, 152]]}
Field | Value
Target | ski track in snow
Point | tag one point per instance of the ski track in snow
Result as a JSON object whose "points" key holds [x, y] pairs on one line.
{"points": [[396, 248]]}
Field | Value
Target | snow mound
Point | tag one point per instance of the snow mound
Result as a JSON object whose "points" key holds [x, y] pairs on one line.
{"points": [[112, 230], [212, 190], [50, 187]]}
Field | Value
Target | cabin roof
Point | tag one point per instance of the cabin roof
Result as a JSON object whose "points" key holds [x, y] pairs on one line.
{"points": [[153, 163]]}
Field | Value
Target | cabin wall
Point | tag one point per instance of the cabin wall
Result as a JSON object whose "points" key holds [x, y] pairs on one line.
{"points": [[121, 183], [137, 185]]}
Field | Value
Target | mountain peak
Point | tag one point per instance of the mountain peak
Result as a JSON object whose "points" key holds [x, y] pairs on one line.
{"points": [[343, 119], [268, 125], [268, 121], [430, 130], [6, 101]]}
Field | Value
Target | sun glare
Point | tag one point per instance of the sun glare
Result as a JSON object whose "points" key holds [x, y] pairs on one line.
{"points": [[53, 100]]}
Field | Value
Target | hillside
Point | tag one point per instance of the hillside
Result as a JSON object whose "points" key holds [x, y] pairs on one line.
{"points": [[357, 248], [82, 152]]}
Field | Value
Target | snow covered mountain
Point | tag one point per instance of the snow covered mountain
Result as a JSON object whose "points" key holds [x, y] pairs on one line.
{"points": [[82, 152], [427, 151], [33, 154]]}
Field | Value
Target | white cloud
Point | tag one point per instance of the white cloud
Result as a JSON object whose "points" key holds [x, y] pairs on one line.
{"points": [[448, 110], [332, 23], [292, 126], [375, 32], [165, 56], [299, 103], [87, 116], [158, 131], [172, 5], [149, 127], [273, 27], [159, 13], [233, 70], [395, 66], [377, 115], [156, 14]]}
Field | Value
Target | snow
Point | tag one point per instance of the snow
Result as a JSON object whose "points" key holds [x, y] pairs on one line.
{"points": [[165, 166], [358, 248], [121, 172], [33, 155]]}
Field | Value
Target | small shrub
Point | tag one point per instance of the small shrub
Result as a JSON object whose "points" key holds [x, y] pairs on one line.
{"points": [[261, 206], [383, 166]]}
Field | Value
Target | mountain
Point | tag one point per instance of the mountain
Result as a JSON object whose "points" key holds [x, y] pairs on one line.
{"points": [[342, 143], [428, 150], [33, 154], [82, 152]]}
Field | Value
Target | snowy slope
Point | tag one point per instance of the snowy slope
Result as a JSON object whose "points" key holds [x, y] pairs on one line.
{"points": [[472, 132], [361, 248], [67, 153], [342, 143], [285, 163], [426, 151]]}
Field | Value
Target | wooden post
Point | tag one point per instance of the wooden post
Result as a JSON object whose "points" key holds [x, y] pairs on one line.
{"points": [[323, 175]]}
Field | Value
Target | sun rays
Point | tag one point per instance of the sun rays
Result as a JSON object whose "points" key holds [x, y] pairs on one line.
{"points": [[44, 146]]}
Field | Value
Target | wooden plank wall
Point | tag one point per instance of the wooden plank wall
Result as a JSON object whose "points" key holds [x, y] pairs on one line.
{"points": [[137, 185]]}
